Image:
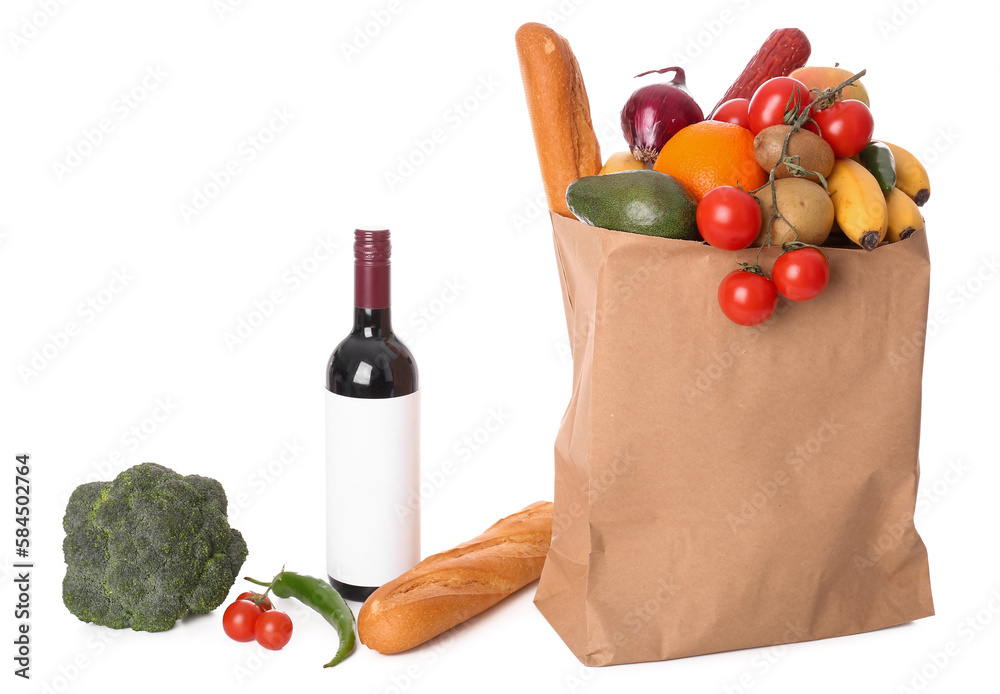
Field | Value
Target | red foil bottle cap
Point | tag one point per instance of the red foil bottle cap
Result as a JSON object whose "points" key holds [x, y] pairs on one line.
{"points": [[371, 268], [371, 245]]}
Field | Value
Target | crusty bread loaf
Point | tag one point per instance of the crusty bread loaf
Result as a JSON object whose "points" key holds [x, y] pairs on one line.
{"points": [[560, 111], [448, 588]]}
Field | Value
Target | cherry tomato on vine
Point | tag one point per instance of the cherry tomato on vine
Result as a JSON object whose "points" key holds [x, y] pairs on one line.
{"points": [[767, 106], [847, 126], [734, 111], [273, 630], [264, 605], [728, 218], [801, 274], [240, 620], [747, 298]]}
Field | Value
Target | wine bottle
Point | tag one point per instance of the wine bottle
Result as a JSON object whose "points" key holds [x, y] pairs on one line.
{"points": [[372, 437]]}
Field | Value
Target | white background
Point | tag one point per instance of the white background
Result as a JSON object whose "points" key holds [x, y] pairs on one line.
{"points": [[476, 294]]}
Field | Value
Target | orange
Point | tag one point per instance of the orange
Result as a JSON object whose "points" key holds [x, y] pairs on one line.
{"points": [[709, 154]]}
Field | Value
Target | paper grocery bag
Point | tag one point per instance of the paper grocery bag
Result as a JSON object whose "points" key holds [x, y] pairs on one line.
{"points": [[722, 487]]}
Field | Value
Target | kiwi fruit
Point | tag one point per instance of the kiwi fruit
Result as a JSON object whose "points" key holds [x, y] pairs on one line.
{"points": [[812, 150]]}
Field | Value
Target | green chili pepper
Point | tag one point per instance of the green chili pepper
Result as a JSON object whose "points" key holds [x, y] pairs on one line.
{"points": [[320, 596], [878, 159]]}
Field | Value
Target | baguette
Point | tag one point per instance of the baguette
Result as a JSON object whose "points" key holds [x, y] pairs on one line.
{"points": [[448, 588], [560, 111]]}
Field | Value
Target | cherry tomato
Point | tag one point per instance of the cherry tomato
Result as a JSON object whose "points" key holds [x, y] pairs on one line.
{"points": [[801, 274], [734, 111], [747, 298], [264, 605], [847, 126], [240, 619], [728, 218], [273, 630], [767, 106]]}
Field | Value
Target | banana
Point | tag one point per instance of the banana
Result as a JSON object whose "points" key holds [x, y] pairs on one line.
{"points": [[858, 203], [904, 215], [911, 176]]}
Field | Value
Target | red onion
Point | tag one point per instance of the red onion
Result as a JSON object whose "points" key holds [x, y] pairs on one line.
{"points": [[655, 112]]}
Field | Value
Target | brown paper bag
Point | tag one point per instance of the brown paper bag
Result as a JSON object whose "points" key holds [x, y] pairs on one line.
{"points": [[722, 487]]}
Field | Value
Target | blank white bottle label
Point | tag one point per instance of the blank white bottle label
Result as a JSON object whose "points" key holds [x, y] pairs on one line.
{"points": [[372, 487]]}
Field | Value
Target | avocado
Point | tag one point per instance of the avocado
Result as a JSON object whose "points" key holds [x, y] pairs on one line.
{"points": [[640, 201]]}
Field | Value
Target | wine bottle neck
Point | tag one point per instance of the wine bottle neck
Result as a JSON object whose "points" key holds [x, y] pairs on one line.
{"points": [[373, 322], [371, 282]]}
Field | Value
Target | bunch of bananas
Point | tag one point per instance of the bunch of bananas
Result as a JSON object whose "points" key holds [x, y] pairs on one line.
{"points": [[866, 213]]}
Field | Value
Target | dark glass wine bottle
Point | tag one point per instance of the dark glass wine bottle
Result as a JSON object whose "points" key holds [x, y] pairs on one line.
{"points": [[372, 437]]}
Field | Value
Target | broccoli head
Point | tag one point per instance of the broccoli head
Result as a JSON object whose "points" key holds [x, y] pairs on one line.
{"points": [[149, 547]]}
